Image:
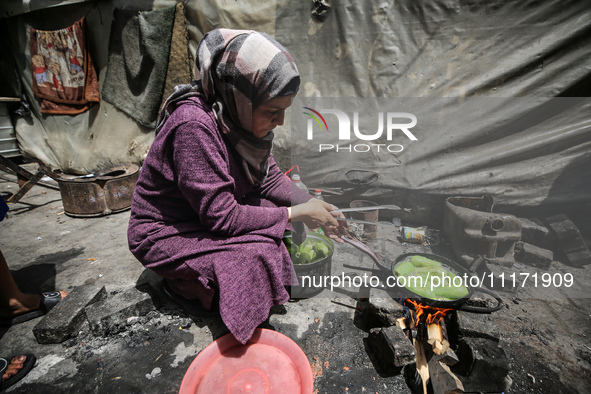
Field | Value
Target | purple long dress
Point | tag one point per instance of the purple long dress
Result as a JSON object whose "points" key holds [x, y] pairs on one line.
{"points": [[197, 221]]}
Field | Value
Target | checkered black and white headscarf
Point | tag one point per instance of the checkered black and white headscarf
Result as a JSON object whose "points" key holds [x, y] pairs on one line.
{"points": [[240, 70]]}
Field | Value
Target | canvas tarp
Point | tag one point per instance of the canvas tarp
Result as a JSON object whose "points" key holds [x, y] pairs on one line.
{"points": [[531, 50]]}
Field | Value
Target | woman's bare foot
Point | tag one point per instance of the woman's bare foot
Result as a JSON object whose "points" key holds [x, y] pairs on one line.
{"points": [[22, 304]]}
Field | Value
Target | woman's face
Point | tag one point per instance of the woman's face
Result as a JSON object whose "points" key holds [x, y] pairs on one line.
{"points": [[269, 115]]}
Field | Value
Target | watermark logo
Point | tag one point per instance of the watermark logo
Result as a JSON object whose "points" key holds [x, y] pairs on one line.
{"points": [[316, 118], [389, 123]]}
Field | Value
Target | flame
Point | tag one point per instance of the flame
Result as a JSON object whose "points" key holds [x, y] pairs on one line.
{"points": [[432, 315]]}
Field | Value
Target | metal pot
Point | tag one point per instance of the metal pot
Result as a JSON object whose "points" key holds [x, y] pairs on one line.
{"points": [[106, 192], [316, 271]]}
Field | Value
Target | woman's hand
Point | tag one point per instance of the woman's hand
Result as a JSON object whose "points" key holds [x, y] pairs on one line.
{"points": [[316, 213]]}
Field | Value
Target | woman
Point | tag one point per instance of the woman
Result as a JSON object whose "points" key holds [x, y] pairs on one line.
{"points": [[211, 206]]}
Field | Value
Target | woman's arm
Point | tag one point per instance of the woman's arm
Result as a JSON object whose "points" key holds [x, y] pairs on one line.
{"points": [[202, 166], [279, 189], [316, 213]]}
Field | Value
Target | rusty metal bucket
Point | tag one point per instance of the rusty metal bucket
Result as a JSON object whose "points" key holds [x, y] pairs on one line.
{"points": [[473, 230], [370, 231], [109, 191]]}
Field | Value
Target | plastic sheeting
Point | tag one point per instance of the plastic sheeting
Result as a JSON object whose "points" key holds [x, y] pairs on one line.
{"points": [[534, 50], [105, 136], [85, 143], [532, 154]]}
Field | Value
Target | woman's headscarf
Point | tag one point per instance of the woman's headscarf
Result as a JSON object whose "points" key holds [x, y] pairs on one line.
{"points": [[240, 70]]}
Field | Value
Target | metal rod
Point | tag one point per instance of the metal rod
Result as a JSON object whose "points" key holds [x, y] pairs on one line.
{"points": [[363, 221], [359, 209]]}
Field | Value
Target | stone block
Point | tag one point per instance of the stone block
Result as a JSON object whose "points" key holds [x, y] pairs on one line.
{"points": [[579, 258], [66, 318], [535, 232], [483, 365], [569, 240], [476, 325], [480, 300], [533, 255], [115, 310], [392, 349], [502, 278], [381, 309]]}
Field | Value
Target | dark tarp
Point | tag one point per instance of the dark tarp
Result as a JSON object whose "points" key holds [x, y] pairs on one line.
{"points": [[502, 135], [445, 53]]}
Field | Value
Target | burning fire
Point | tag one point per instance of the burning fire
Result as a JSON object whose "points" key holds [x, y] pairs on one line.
{"points": [[431, 314]]}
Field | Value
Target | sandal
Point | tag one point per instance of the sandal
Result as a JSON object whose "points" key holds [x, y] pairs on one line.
{"points": [[48, 301], [4, 364]]}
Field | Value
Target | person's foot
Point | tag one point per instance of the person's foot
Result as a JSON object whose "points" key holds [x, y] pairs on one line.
{"points": [[45, 303], [23, 304], [13, 370], [16, 364]]}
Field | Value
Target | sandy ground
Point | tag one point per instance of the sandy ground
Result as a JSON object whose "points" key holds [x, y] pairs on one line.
{"points": [[546, 333]]}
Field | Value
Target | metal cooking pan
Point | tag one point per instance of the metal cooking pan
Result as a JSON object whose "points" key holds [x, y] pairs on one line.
{"points": [[449, 265], [387, 269]]}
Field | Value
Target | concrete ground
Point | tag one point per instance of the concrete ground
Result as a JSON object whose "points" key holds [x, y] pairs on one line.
{"points": [[548, 341]]}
